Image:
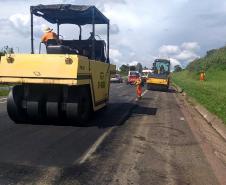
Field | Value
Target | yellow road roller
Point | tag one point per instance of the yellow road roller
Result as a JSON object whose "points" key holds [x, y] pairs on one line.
{"points": [[68, 82], [159, 78]]}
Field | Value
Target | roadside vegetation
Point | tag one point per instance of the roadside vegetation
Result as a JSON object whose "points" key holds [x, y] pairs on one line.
{"points": [[4, 89], [212, 92], [4, 92]]}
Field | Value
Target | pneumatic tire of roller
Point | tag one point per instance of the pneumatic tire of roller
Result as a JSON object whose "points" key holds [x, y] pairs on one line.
{"points": [[14, 105]]}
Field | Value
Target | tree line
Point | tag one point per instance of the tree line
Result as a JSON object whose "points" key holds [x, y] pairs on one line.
{"points": [[125, 68], [5, 50]]}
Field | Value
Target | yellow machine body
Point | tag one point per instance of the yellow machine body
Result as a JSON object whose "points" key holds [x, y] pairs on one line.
{"points": [[158, 81], [159, 78], [59, 69]]}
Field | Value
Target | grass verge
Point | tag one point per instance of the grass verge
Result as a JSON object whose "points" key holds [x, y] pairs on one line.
{"points": [[4, 92], [210, 93]]}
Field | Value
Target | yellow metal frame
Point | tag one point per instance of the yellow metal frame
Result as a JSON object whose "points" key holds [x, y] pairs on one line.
{"points": [[59, 69], [157, 81]]}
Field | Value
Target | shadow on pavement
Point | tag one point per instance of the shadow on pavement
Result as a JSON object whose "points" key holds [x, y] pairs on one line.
{"points": [[145, 110], [164, 90], [56, 144], [112, 115]]}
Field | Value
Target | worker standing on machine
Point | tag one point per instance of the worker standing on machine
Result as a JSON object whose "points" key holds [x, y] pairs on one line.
{"points": [[138, 84]]}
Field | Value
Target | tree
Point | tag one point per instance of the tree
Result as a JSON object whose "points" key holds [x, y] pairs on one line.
{"points": [[132, 68], [210, 52], [6, 49], [139, 67], [124, 69], [177, 68]]}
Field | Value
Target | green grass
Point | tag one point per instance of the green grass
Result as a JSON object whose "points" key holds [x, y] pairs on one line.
{"points": [[210, 93], [4, 92], [214, 59]]}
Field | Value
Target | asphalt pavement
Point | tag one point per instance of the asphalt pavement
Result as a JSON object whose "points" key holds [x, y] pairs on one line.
{"points": [[160, 139], [164, 141], [28, 149]]}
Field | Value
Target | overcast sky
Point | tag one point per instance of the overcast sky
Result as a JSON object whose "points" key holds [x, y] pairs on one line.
{"points": [[181, 30]]}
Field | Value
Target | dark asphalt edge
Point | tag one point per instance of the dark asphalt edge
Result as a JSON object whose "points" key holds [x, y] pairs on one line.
{"points": [[216, 123]]}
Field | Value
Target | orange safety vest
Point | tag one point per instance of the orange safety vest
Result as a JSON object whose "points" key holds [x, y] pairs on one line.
{"points": [[202, 76], [139, 87], [48, 35]]}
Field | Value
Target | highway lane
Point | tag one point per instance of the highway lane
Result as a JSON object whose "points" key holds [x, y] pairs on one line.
{"points": [[36, 146], [163, 141]]}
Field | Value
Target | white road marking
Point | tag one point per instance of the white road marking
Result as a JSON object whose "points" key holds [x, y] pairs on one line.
{"points": [[98, 142], [3, 102], [2, 99], [95, 146], [119, 86], [182, 118], [144, 92]]}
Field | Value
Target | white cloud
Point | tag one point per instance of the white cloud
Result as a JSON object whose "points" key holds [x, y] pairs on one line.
{"points": [[102, 29], [20, 19], [115, 56], [169, 49], [115, 53], [133, 63], [174, 62], [180, 54], [121, 14], [192, 46], [186, 55], [20, 23]]}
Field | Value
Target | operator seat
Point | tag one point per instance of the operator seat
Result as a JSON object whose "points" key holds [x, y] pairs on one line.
{"points": [[53, 46]]}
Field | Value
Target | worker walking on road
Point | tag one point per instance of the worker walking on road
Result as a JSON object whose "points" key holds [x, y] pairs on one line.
{"points": [[49, 34], [138, 84]]}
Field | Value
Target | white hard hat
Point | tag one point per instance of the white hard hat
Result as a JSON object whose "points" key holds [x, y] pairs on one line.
{"points": [[47, 29]]}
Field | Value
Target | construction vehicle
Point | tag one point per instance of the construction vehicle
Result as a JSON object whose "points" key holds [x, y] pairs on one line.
{"points": [[159, 78], [144, 74], [70, 81]]}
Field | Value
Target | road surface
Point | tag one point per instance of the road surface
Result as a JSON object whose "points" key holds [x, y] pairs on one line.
{"points": [[162, 141]]}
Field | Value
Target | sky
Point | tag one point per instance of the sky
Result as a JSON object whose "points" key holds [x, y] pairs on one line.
{"points": [[141, 31]]}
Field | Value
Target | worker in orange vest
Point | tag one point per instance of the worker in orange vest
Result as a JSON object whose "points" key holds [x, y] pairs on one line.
{"points": [[48, 34], [138, 84], [202, 76]]}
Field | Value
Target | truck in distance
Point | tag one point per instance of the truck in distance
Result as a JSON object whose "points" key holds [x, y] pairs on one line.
{"points": [[132, 77]]}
